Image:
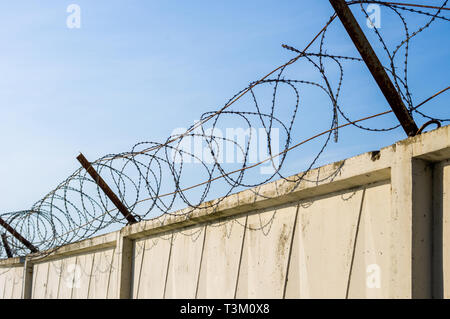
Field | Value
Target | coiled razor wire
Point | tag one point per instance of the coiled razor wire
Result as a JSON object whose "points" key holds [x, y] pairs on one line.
{"points": [[150, 178]]}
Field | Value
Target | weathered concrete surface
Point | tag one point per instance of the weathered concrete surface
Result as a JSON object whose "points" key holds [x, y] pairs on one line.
{"points": [[88, 275], [221, 258], [101, 273], [445, 238], [68, 278], [11, 280], [80, 289], [325, 236], [372, 226], [441, 227], [150, 266], [266, 253], [369, 274], [184, 263]]}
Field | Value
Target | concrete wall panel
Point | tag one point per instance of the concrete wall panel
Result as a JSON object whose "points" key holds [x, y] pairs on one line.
{"points": [[3, 275], [89, 275], [183, 270], [103, 265], [323, 246], [371, 265], [11, 279], [40, 274], [81, 286], [113, 276], [53, 279], [17, 283], [221, 257], [151, 262], [441, 225], [138, 258], [70, 276], [265, 254], [9, 283], [446, 228]]}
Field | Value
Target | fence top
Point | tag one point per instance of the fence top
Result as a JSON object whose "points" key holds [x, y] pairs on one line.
{"points": [[363, 169]]}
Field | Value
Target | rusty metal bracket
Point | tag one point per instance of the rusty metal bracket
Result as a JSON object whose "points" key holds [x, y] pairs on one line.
{"points": [[375, 67], [19, 237], [106, 189], [6, 245]]}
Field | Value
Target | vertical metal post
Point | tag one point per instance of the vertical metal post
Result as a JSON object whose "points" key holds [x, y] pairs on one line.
{"points": [[376, 68], [106, 189], [13, 232]]}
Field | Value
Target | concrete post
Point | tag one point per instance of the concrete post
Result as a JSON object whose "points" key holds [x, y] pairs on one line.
{"points": [[441, 233], [411, 230], [401, 230], [124, 249], [27, 284], [422, 221]]}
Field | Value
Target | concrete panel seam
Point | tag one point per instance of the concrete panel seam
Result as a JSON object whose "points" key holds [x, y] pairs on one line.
{"points": [[140, 267], [110, 270], [240, 258], [73, 279], [358, 224], [201, 260], [90, 275], [168, 265], [290, 251]]}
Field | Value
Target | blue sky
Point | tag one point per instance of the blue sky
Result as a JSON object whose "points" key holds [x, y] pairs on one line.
{"points": [[136, 70]]}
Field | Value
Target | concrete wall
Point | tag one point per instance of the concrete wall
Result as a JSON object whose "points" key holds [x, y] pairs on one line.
{"points": [[89, 275], [372, 226], [11, 279]]}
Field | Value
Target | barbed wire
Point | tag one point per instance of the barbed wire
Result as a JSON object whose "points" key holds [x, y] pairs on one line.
{"points": [[151, 178]]}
